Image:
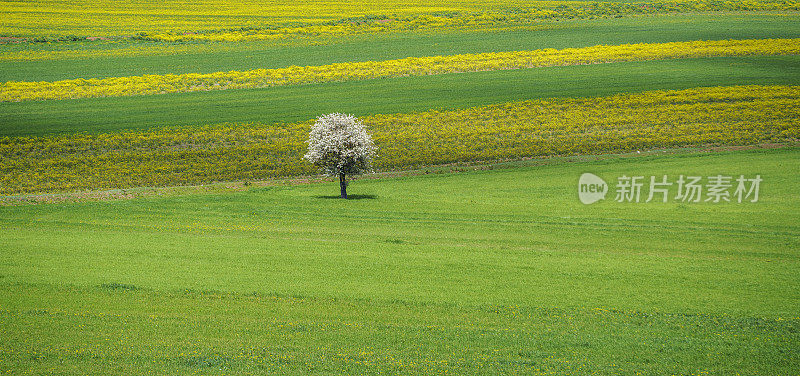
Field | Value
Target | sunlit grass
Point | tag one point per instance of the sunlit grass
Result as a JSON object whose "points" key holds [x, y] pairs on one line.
{"points": [[483, 272]]}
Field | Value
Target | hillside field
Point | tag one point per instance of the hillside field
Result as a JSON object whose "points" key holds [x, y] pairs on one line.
{"points": [[486, 272], [157, 216]]}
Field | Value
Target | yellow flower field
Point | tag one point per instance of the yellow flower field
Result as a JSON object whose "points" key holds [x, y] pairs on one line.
{"points": [[480, 17], [108, 17], [238, 20], [13, 91], [738, 115]]}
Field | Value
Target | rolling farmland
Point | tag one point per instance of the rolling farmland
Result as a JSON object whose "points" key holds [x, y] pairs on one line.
{"points": [[157, 216]]}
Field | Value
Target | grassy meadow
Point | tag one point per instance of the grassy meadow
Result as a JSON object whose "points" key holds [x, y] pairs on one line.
{"points": [[482, 272], [157, 218]]}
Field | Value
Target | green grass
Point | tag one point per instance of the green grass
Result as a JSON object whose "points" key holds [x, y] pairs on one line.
{"points": [[408, 94], [247, 56], [481, 272], [498, 271]]}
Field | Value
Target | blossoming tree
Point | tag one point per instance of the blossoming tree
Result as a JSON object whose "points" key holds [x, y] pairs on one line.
{"points": [[340, 145]]}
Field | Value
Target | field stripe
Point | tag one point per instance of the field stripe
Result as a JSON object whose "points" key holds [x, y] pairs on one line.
{"points": [[215, 20], [53, 62], [288, 104], [740, 115], [14, 91]]}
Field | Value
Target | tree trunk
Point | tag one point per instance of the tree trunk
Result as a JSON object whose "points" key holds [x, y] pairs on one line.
{"points": [[343, 185]]}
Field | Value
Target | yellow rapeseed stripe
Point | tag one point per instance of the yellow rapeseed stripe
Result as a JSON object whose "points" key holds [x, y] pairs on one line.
{"points": [[114, 17], [526, 15], [237, 20], [412, 66], [736, 115]]}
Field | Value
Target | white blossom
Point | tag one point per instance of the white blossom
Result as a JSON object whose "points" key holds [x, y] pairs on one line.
{"points": [[340, 145]]}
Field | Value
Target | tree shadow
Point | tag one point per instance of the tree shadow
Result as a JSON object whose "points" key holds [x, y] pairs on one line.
{"points": [[350, 197]]}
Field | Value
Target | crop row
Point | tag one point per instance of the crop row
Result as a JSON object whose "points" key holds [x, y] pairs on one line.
{"points": [[236, 20], [110, 49], [737, 115], [455, 19], [14, 91], [103, 18]]}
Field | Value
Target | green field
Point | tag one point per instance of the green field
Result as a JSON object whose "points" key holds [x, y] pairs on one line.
{"points": [[476, 272], [393, 95], [489, 264], [161, 58]]}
